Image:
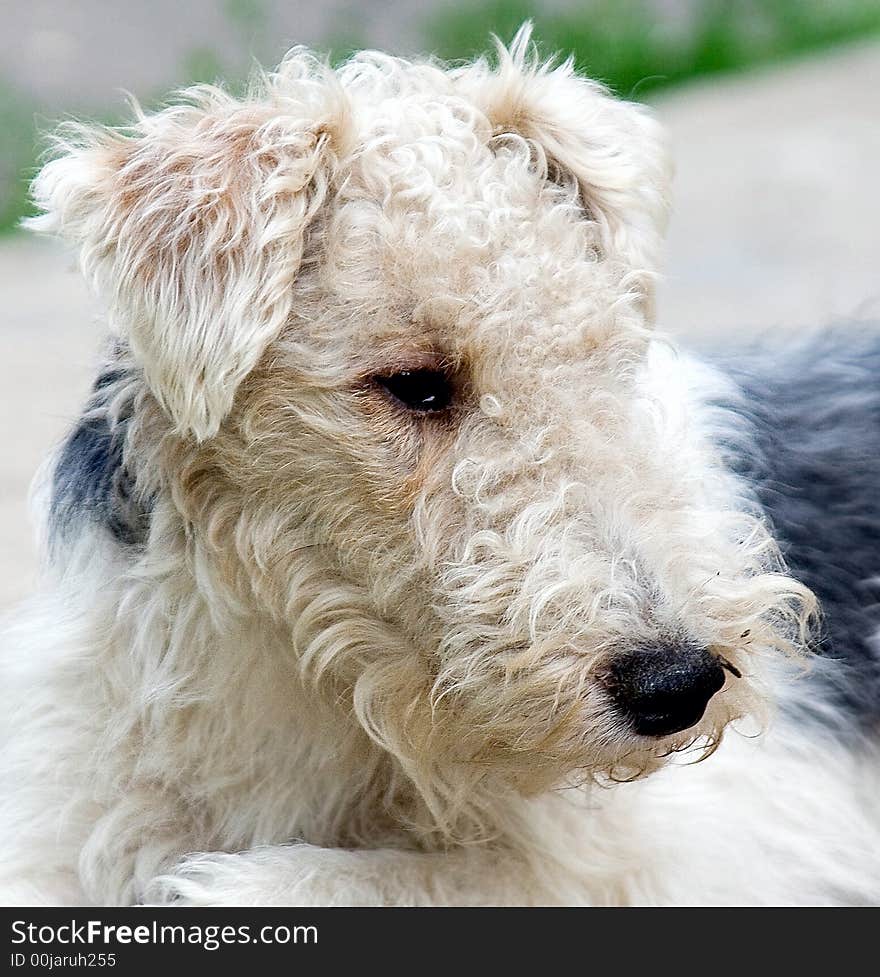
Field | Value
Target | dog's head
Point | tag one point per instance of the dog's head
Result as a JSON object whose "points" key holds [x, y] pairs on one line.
{"points": [[397, 319]]}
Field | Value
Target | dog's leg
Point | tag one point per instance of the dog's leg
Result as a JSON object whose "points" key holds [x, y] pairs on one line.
{"points": [[305, 875]]}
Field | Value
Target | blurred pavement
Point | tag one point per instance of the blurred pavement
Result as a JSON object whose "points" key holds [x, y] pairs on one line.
{"points": [[777, 218], [45, 45]]}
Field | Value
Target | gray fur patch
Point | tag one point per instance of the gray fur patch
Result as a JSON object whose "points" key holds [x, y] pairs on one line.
{"points": [[814, 461], [91, 480]]}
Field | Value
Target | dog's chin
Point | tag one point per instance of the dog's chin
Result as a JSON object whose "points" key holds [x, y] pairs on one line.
{"points": [[614, 755], [592, 741], [621, 754]]}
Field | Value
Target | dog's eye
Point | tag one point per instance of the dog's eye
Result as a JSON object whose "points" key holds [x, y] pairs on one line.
{"points": [[422, 390]]}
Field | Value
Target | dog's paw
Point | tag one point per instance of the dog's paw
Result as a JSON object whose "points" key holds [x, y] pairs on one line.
{"points": [[271, 876], [199, 880], [306, 875]]}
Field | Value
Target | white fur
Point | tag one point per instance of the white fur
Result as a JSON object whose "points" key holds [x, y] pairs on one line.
{"points": [[357, 659]]}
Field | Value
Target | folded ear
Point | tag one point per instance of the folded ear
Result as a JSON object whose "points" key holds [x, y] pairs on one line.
{"points": [[191, 224], [614, 149]]}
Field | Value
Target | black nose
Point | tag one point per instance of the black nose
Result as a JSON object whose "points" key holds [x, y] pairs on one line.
{"points": [[664, 688]]}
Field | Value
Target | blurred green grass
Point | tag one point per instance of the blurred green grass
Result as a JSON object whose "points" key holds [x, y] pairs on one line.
{"points": [[629, 44], [632, 49], [18, 151]]}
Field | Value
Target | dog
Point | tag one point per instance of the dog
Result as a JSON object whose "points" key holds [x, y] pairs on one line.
{"points": [[397, 560]]}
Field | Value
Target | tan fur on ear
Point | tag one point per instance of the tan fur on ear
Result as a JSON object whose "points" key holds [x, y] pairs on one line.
{"points": [[191, 224], [615, 150]]}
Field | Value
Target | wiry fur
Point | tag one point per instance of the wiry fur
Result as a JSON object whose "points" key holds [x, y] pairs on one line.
{"points": [[354, 655]]}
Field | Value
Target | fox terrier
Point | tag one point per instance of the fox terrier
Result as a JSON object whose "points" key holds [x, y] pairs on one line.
{"points": [[396, 560]]}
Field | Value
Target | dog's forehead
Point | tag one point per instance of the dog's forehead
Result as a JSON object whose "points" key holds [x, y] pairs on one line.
{"points": [[438, 161], [467, 236]]}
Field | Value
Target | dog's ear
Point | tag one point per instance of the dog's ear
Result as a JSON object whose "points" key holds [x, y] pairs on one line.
{"points": [[191, 224], [614, 149]]}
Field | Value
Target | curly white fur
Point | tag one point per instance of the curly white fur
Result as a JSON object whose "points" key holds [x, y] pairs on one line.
{"points": [[356, 659]]}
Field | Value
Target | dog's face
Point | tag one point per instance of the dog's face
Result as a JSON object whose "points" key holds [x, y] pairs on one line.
{"points": [[404, 347]]}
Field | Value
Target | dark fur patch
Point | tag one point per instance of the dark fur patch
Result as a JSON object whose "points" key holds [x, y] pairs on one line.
{"points": [[91, 480], [815, 465]]}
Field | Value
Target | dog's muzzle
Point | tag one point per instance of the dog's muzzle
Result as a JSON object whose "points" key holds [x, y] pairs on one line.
{"points": [[663, 689]]}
